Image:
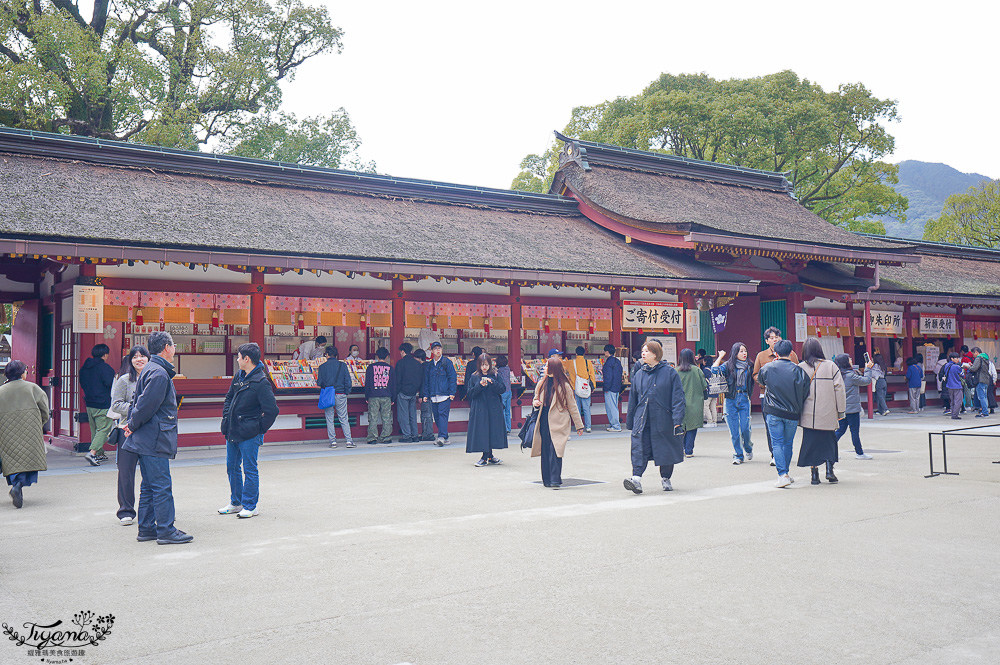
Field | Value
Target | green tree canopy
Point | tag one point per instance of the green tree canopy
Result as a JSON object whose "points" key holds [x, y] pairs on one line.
{"points": [[830, 143], [178, 73], [972, 218]]}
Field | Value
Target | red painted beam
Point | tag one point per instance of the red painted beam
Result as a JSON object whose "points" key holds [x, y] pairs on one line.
{"points": [[602, 217]]}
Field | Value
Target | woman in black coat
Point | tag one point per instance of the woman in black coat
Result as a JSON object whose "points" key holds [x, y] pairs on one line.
{"points": [[487, 429], [656, 408]]}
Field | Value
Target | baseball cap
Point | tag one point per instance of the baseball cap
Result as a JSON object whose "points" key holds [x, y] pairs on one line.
{"points": [[554, 352], [435, 344]]}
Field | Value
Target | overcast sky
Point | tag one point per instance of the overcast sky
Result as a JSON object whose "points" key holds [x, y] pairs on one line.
{"points": [[462, 91]]}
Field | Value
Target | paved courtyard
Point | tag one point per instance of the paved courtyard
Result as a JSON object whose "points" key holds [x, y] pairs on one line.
{"points": [[408, 554]]}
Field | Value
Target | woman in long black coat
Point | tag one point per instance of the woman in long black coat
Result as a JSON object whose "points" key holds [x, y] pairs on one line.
{"points": [[656, 407], [487, 429]]}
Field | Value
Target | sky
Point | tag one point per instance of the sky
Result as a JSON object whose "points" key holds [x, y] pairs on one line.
{"points": [[462, 91]]}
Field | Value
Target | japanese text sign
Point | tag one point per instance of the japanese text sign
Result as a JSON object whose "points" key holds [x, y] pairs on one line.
{"points": [[938, 324], [638, 314], [886, 323]]}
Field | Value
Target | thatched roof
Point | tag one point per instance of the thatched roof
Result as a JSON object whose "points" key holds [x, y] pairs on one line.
{"points": [[658, 201], [44, 197]]}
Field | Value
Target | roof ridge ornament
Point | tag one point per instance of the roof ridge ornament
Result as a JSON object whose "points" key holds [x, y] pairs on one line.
{"points": [[572, 152]]}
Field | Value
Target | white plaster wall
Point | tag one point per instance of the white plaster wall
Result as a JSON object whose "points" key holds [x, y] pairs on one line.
{"points": [[173, 272]]}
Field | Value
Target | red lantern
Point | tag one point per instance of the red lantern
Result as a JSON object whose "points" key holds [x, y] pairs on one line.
{"points": [[364, 322], [590, 327], [434, 323], [138, 316], [486, 327], [546, 324], [301, 321]]}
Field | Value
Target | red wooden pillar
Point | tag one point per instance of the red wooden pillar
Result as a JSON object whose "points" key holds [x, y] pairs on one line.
{"points": [[616, 317], [514, 334], [257, 310], [794, 303], [871, 351], [907, 333], [397, 333], [959, 329]]}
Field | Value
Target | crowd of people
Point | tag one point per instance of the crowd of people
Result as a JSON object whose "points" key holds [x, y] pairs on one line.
{"points": [[135, 409]]}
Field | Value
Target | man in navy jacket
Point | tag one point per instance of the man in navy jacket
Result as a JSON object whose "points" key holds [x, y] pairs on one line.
{"points": [[440, 385], [612, 374], [151, 434]]}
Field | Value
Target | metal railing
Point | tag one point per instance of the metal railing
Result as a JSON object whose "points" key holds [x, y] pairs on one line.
{"points": [[959, 431]]}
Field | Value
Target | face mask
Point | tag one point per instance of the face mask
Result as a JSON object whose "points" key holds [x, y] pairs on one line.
{"points": [[354, 354]]}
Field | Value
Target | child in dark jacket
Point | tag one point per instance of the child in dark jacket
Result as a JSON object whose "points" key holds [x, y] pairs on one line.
{"points": [[380, 391]]}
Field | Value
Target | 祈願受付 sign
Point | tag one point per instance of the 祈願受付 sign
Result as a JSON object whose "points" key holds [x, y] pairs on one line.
{"points": [[938, 324]]}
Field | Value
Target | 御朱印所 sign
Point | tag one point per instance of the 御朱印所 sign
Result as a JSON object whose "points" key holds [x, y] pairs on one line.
{"points": [[638, 314]]}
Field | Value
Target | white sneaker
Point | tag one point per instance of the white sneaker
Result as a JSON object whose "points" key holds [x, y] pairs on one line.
{"points": [[587, 430], [667, 487], [248, 513], [748, 454], [230, 508], [772, 460], [439, 441], [633, 484], [863, 456], [737, 460], [783, 481], [127, 521]]}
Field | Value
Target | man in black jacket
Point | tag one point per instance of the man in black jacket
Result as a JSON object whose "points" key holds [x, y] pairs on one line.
{"points": [[334, 374], [787, 388], [96, 379], [409, 381], [248, 412], [151, 433]]}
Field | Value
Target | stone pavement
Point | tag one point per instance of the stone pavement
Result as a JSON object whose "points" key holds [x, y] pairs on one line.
{"points": [[408, 554]]}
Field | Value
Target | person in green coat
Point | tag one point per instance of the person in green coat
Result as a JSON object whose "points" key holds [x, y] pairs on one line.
{"points": [[24, 410], [694, 383]]}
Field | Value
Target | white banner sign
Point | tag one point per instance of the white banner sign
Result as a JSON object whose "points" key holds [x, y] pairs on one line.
{"points": [[886, 323], [669, 344], [801, 327], [693, 325], [88, 309], [639, 314], [938, 324]]}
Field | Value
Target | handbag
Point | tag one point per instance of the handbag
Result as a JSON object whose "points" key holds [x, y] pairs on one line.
{"points": [[527, 433], [717, 384], [116, 437], [327, 397], [583, 389]]}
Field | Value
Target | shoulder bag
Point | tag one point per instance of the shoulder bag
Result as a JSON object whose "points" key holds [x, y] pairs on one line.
{"points": [[327, 397]]}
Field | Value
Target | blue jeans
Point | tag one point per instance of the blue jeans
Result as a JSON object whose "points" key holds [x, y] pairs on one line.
{"points": [[505, 398], [441, 412], [852, 420], [243, 453], [156, 501], [782, 435], [583, 406], [611, 408], [689, 441], [738, 419], [984, 402]]}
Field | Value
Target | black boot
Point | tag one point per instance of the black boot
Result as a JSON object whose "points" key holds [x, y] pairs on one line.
{"points": [[815, 476], [830, 478]]}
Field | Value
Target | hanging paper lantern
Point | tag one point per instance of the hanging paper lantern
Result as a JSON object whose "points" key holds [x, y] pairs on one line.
{"points": [[590, 327], [434, 323], [301, 321], [364, 322], [215, 318], [138, 316], [547, 330]]}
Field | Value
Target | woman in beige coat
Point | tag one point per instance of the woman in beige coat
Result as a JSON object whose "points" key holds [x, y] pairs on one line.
{"points": [[24, 410], [825, 406], [554, 396]]}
